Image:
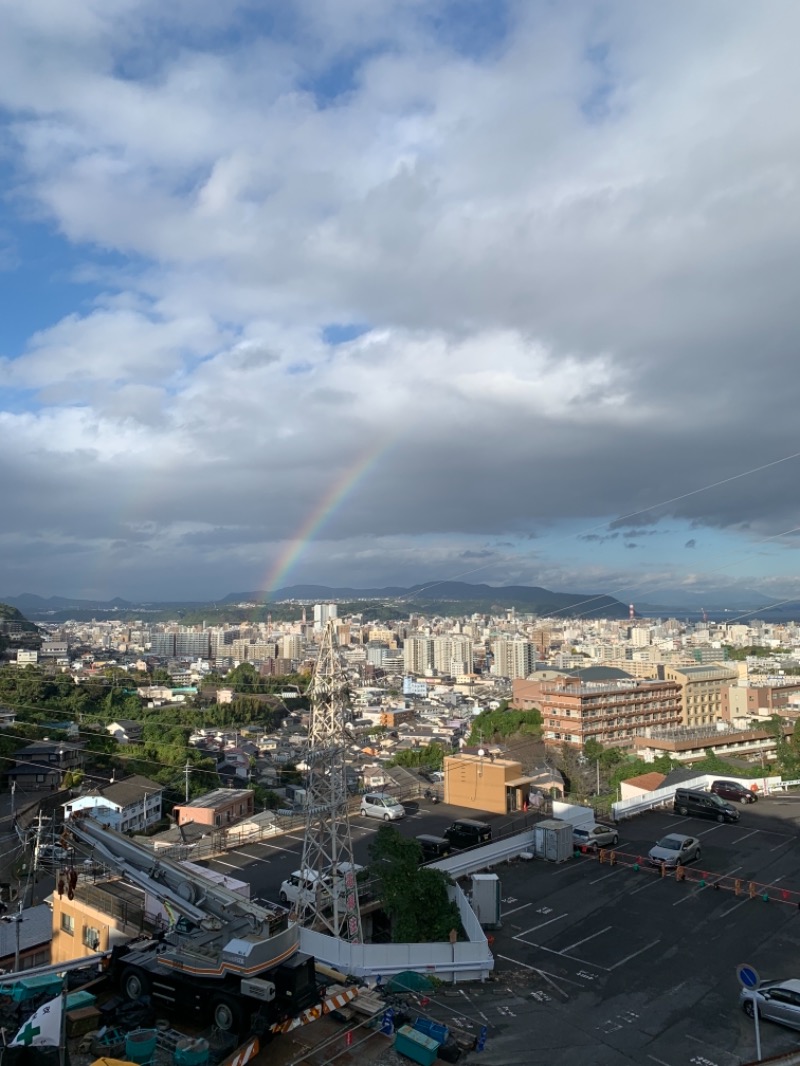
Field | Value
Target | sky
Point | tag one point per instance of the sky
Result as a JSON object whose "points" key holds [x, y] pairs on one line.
{"points": [[369, 292]]}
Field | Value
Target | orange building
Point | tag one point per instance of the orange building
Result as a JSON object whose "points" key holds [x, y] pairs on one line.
{"points": [[485, 783]]}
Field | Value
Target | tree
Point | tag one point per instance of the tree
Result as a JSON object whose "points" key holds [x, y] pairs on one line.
{"points": [[415, 898]]}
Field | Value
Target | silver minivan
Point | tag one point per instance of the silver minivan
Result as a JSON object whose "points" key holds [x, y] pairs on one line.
{"points": [[381, 805]]}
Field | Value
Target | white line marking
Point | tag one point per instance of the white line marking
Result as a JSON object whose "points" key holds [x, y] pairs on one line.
{"points": [[747, 899], [782, 845], [708, 884], [230, 865], [552, 951], [541, 925], [252, 858], [514, 911], [544, 973], [578, 943], [597, 880], [740, 839], [713, 829], [659, 1061], [573, 864], [633, 956], [657, 880], [277, 847]]}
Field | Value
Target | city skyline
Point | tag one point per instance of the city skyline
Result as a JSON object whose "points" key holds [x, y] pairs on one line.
{"points": [[374, 294]]}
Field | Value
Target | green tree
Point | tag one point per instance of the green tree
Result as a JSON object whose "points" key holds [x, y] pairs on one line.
{"points": [[415, 898]]}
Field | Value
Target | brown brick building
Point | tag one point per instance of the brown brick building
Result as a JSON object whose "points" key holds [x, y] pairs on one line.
{"points": [[219, 808], [610, 713]]}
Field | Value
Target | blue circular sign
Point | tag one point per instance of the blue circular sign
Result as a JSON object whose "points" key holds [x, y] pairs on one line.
{"points": [[748, 976]]}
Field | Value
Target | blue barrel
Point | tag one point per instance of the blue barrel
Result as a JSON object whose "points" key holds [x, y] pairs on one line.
{"points": [[140, 1046], [191, 1052]]}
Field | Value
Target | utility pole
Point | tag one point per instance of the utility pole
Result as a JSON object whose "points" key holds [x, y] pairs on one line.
{"points": [[36, 850], [17, 919], [186, 771]]}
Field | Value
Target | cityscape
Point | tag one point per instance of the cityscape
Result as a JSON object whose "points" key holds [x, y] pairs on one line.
{"points": [[399, 608]]}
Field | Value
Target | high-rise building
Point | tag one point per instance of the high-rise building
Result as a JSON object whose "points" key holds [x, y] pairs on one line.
{"points": [[324, 613], [418, 655], [513, 658]]}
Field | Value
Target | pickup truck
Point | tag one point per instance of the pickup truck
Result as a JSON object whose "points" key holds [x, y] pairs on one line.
{"points": [[595, 836]]}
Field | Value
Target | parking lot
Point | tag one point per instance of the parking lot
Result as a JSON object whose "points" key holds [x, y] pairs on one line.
{"points": [[600, 964], [608, 965]]}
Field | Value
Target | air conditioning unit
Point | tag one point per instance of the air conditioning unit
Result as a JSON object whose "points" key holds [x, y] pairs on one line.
{"points": [[258, 989]]}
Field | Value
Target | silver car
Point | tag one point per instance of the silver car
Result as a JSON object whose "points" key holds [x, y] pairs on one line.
{"points": [[674, 850], [595, 836], [778, 1001]]}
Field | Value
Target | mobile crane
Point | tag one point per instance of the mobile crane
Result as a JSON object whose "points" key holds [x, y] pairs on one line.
{"points": [[222, 958]]}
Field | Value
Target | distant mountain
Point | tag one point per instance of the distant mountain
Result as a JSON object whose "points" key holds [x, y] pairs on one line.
{"points": [[31, 603], [430, 594]]}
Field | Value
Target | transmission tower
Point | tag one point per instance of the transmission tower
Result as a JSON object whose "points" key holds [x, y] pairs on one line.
{"points": [[328, 847]]}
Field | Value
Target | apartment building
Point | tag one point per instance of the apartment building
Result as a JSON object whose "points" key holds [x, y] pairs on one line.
{"points": [[760, 701], [612, 713], [418, 655], [701, 691], [513, 658]]}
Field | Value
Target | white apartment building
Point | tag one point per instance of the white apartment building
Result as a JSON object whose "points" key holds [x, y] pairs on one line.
{"points": [[452, 655], [418, 655], [513, 658], [324, 613]]}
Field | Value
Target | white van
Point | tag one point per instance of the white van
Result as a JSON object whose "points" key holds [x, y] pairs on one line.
{"points": [[380, 805], [298, 890]]}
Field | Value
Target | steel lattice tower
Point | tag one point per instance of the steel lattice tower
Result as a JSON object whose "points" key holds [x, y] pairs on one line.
{"points": [[328, 843]]}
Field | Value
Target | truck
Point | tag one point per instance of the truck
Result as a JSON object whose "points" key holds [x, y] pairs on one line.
{"points": [[221, 956]]}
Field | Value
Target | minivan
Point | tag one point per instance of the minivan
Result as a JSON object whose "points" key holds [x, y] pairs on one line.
{"points": [[690, 801], [433, 847], [732, 790], [466, 833], [380, 805]]}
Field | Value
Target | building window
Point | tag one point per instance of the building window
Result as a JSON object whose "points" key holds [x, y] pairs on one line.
{"points": [[91, 937], [67, 923]]}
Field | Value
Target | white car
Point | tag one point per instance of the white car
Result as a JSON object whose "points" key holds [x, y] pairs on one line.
{"points": [[381, 805], [778, 1001], [299, 890]]}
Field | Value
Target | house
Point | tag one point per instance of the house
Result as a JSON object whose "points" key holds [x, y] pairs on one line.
{"points": [[125, 731], [641, 785], [221, 807], [35, 929], [130, 805], [41, 766]]}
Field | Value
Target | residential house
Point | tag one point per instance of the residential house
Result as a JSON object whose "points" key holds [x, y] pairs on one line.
{"points": [[41, 766], [125, 731], [130, 805]]}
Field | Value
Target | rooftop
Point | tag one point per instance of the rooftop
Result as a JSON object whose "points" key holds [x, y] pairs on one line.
{"points": [[219, 797]]}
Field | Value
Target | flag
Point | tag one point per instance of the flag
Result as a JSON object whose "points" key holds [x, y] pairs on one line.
{"points": [[43, 1027]]}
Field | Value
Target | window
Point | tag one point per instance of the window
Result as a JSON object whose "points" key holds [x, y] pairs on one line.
{"points": [[91, 937], [67, 923]]}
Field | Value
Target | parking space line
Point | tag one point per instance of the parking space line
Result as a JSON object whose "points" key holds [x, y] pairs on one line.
{"points": [[252, 858], [572, 958], [657, 880], [697, 891], [719, 825], [659, 1061], [597, 880], [578, 943], [740, 839], [633, 956], [544, 973], [541, 925], [521, 908], [573, 864], [781, 845], [746, 899]]}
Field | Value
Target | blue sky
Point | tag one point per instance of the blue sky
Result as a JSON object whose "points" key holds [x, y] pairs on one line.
{"points": [[537, 263]]}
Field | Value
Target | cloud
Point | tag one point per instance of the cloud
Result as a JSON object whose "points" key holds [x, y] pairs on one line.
{"points": [[540, 266]]}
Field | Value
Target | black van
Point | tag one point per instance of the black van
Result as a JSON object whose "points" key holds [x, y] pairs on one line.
{"points": [[433, 847], [691, 801], [466, 833]]}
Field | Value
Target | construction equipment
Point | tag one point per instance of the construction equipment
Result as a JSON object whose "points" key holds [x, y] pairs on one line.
{"points": [[223, 957]]}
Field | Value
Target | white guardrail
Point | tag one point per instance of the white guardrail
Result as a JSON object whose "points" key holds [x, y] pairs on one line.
{"points": [[627, 808]]}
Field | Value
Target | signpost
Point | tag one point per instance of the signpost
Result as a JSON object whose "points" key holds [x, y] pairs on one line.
{"points": [[748, 978]]}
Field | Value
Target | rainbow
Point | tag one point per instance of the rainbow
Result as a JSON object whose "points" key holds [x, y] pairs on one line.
{"points": [[316, 519]]}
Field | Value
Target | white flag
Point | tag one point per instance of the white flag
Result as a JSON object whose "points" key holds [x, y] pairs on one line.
{"points": [[44, 1027]]}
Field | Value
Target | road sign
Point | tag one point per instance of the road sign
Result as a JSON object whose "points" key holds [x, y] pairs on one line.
{"points": [[748, 977]]}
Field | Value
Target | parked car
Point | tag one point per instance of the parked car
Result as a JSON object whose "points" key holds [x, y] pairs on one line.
{"points": [[299, 891], [674, 850], [700, 804], [778, 1001], [595, 836], [467, 833], [733, 790], [433, 847], [381, 805]]}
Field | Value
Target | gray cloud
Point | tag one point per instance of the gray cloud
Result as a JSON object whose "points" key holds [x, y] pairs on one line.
{"points": [[572, 239]]}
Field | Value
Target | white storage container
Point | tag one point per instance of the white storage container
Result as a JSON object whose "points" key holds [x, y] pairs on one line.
{"points": [[553, 840]]}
